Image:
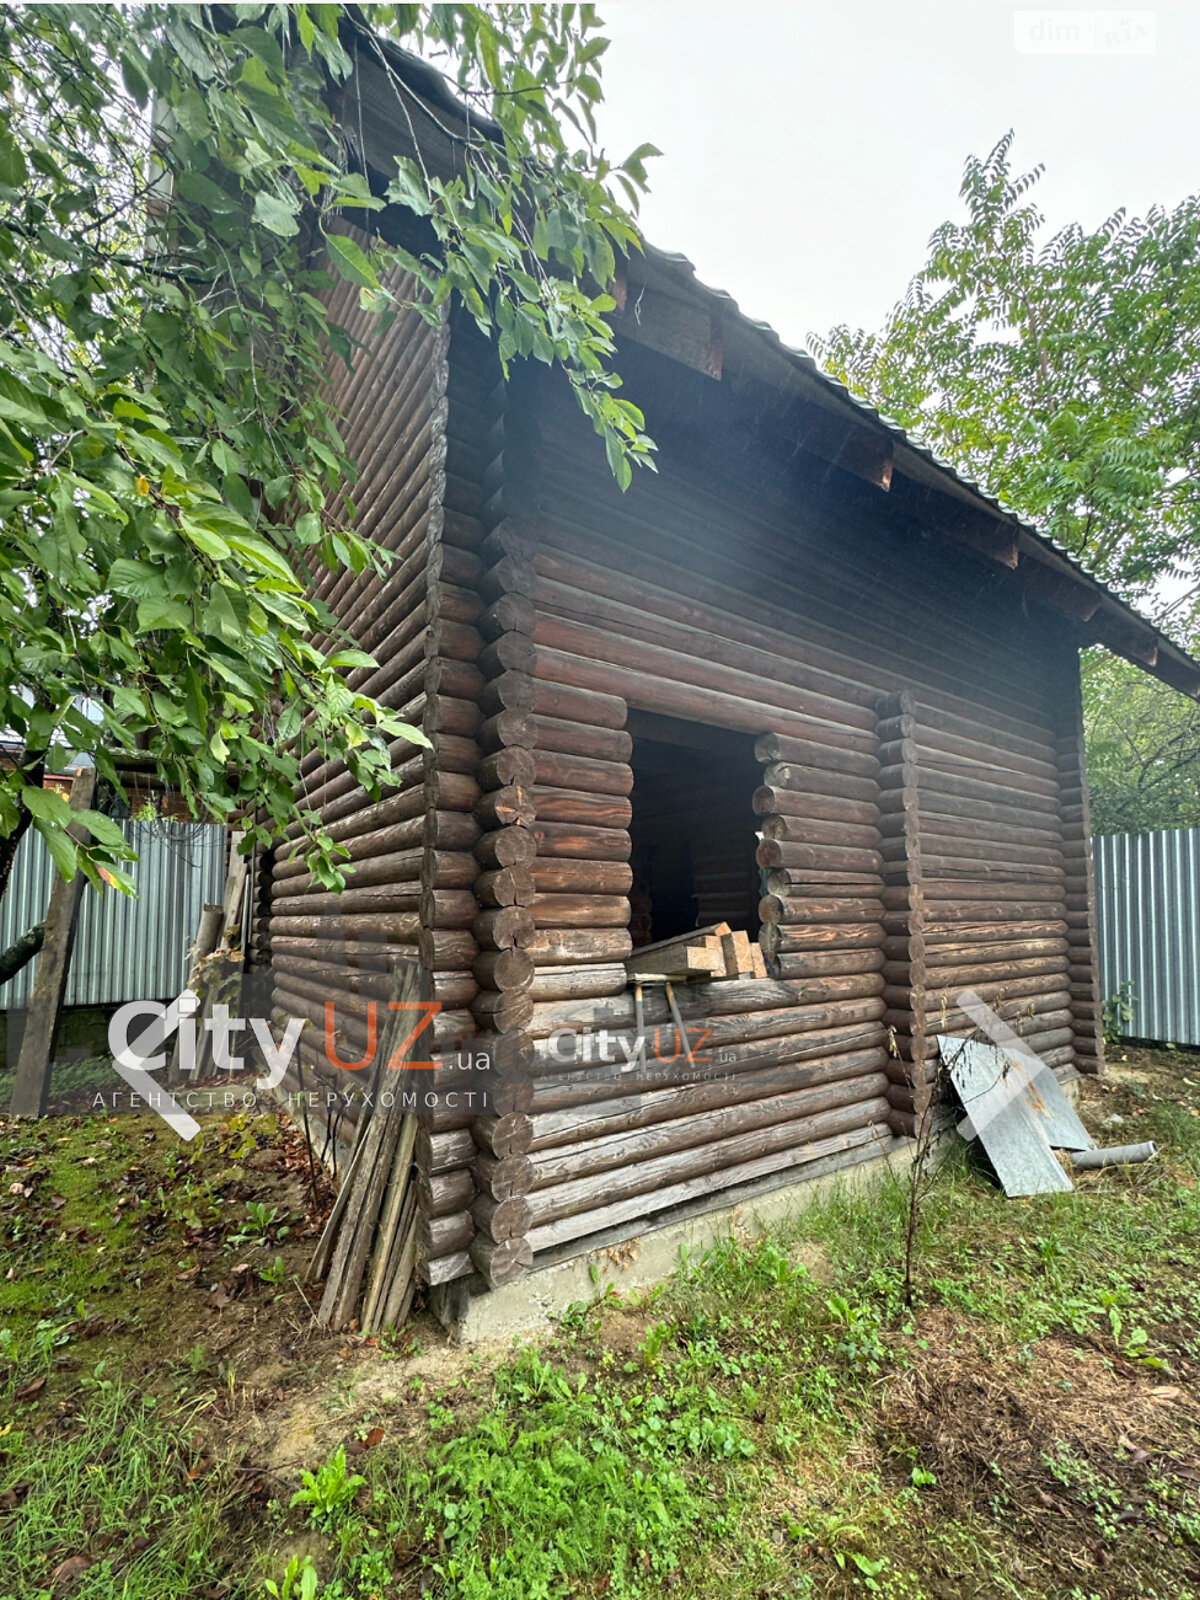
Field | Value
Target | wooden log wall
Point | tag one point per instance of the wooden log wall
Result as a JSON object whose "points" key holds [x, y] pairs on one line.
{"points": [[504, 885], [976, 893], [786, 1072], [413, 433], [920, 800], [916, 807]]}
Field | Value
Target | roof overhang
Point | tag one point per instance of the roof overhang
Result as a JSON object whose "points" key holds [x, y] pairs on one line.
{"points": [[663, 305]]}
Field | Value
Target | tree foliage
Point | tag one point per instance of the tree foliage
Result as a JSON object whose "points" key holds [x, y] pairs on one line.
{"points": [[1063, 374], [1143, 745], [172, 180]]}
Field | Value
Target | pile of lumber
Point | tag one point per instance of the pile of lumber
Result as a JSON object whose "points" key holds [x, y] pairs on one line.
{"points": [[704, 954], [367, 1253]]}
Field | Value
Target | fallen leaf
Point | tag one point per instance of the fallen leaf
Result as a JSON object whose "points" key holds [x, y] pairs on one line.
{"points": [[27, 1392], [11, 1498], [1166, 1391], [66, 1572], [58, 1201], [373, 1438]]}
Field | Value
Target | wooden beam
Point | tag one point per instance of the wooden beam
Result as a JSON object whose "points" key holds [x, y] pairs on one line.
{"points": [[860, 448], [687, 330], [954, 519], [32, 1087], [1075, 599], [1123, 635]]}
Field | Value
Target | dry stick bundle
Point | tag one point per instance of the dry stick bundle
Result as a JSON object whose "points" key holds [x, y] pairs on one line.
{"points": [[371, 1234]]}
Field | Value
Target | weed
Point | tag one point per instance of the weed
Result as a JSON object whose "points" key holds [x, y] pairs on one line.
{"points": [[276, 1273], [260, 1226], [330, 1491], [108, 1497], [299, 1582], [1118, 1012]]}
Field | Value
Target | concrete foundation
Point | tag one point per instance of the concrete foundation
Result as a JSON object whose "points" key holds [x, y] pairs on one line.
{"points": [[528, 1307]]}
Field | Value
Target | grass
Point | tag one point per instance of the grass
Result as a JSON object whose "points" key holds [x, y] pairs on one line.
{"points": [[774, 1421]]}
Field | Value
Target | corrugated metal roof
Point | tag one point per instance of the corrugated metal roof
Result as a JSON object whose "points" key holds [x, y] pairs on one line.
{"points": [[1148, 915], [125, 949]]}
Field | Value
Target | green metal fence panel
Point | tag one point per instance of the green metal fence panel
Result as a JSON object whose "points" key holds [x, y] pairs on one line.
{"points": [[125, 949], [1148, 916]]}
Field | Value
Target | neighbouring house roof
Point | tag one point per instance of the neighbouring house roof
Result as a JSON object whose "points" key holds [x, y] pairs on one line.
{"points": [[834, 423]]}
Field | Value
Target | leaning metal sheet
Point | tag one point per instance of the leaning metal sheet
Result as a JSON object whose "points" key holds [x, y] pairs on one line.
{"points": [[993, 1089]]}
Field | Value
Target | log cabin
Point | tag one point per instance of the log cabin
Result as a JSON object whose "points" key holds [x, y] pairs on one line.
{"points": [[802, 681]]}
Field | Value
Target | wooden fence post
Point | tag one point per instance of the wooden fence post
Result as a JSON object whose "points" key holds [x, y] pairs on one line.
{"points": [[32, 1087]]}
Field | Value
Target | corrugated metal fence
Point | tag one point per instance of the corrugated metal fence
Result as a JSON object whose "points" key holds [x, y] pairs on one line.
{"points": [[125, 949], [1148, 903]]}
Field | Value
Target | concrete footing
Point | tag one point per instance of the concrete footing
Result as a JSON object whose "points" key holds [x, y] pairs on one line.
{"points": [[529, 1307]]}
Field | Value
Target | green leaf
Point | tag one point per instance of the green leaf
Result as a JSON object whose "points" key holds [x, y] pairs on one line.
{"points": [[260, 554], [195, 186], [277, 213], [104, 830], [220, 619], [208, 543], [152, 614], [408, 187], [350, 261], [137, 579], [46, 805], [18, 403], [13, 170], [120, 880], [63, 850], [352, 658]]}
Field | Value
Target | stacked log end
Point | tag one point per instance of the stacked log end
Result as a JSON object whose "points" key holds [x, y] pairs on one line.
{"points": [[823, 916], [912, 1070], [1075, 817], [503, 924]]}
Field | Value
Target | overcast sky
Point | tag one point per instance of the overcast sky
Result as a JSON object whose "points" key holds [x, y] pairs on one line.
{"points": [[809, 150]]}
